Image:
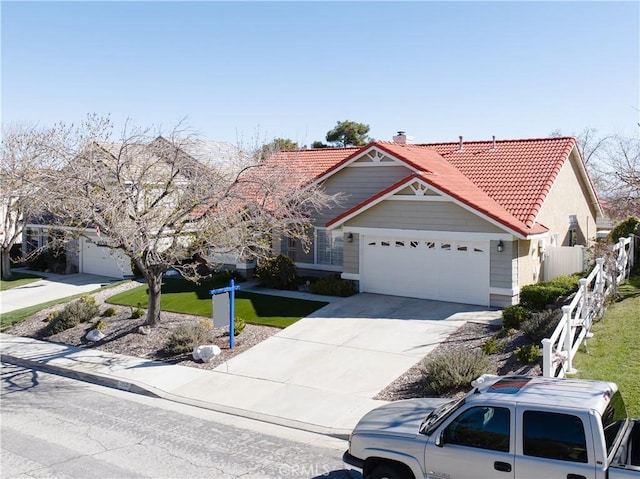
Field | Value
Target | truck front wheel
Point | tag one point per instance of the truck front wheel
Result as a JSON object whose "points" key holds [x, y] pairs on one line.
{"points": [[387, 471]]}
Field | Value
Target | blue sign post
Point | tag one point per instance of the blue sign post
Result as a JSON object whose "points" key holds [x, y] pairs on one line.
{"points": [[231, 289]]}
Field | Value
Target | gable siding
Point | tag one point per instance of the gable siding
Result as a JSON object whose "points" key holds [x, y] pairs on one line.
{"points": [[422, 215], [568, 196], [351, 256], [359, 184]]}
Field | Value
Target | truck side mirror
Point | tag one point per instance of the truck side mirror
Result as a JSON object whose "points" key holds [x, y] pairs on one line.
{"points": [[440, 439]]}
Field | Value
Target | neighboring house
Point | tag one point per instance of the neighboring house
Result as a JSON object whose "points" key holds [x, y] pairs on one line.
{"points": [[464, 222], [87, 253]]}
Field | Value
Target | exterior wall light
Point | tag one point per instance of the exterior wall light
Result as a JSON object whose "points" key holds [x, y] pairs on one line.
{"points": [[350, 238], [500, 246]]}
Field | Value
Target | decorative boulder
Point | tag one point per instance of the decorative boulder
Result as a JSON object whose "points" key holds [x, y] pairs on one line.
{"points": [[94, 335], [206, 352]]}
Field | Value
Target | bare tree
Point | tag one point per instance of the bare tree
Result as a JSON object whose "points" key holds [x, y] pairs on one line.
{"points": [[163, 208], [24, 158], [619, 172]]}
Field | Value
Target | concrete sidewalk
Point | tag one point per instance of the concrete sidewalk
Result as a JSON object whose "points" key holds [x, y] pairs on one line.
{"points": [[52, 287], [290, 405]]}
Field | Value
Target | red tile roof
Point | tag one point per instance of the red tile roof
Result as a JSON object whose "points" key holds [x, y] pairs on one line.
{"points": [[507, 180]]}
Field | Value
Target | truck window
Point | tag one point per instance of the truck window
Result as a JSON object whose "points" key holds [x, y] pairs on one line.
{"points": [[613, 418], [481, 427], [554, 436]]}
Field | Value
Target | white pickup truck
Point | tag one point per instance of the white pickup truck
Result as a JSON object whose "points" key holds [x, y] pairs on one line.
{"points": [[511, 427]]}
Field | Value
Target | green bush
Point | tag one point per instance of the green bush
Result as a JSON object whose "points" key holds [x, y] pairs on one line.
{"points": [[109, 312], [527, 354], [186, 337], [568, 284], [333, 286], [100, 325], [541, 325], [624, 228], [513, 316], [454, 368], [536, 296], [136, 312], [277, 272], [74, 313], [238, 325], [491, 346]]}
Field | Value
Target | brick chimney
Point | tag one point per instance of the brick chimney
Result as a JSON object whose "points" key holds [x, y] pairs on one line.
{"points": [[402, 139]]}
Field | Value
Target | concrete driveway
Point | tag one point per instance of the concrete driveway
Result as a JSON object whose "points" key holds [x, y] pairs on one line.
{"points": [[54, 286], [356, 345]]}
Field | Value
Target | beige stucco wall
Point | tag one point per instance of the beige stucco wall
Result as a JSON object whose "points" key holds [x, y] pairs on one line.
{"points": [[569, 196]]}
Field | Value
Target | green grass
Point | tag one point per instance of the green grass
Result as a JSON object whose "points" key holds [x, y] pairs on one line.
{"points": [[13, 317], [181, 296], [614, 350], [18, 279]]}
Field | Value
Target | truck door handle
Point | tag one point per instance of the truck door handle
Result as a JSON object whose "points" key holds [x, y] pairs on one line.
{"points": [[575, 476], [506, 467]]}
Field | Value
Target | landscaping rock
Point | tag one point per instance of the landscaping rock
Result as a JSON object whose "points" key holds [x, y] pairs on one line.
{"points": [[206, 352], [95, 335]]}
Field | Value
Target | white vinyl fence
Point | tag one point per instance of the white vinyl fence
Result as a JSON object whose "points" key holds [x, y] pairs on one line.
{"points": [[587, 305], [563, 260]]}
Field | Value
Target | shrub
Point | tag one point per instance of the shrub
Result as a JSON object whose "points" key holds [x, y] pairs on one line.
{"points": [[513, 316], [51, 316], [624, 228], [238, 325], [136, 312], [277, 272], [527, 354], [536, 296], [454, 368], [99, 325], [223, 277], [333, 286], [185, 337], [74, 313], [541, 325], [568, 284], [107, 313], [491, 346]]}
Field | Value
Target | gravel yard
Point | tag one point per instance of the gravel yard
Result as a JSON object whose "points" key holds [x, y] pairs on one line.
{"points": [[123, 337]]}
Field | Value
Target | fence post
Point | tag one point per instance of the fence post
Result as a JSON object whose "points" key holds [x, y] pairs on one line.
{"points": [[585, 301], [547, 360], [632, 250], [568, 339]]}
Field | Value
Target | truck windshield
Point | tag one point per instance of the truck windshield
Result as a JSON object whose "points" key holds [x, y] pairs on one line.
{"points": [[438, 415], [613, 420]]}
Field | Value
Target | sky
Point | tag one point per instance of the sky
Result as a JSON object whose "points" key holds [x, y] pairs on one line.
{"points": [[248, 72]]}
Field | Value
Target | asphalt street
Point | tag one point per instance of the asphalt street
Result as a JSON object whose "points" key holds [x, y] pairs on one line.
{"points": [[58, 427]]}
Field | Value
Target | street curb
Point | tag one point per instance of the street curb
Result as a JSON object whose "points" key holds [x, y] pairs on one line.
{"points": [[150, 391]]}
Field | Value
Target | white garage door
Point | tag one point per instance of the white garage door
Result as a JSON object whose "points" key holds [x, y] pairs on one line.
{"points": [[100, 261], [456, 271]]}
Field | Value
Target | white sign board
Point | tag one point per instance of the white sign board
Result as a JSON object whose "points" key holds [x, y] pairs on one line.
{"points": [[221, 310]]}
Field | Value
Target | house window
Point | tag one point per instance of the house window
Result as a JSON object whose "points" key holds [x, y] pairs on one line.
{"points": [[291, 249], [329, 247]]}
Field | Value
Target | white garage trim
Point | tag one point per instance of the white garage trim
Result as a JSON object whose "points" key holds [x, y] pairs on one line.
{"points": [[419, 234], [423, 266]]}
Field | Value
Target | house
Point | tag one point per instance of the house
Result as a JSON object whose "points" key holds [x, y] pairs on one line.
{"points": [[465, 222], [87, 251]]}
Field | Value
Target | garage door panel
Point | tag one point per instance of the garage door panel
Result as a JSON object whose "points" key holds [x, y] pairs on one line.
{"points": [[101, 261], [456, 271]]}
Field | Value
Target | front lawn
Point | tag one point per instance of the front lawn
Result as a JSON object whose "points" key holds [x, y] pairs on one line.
{"points": [[614, 350], [180, 296], [18, 279]]}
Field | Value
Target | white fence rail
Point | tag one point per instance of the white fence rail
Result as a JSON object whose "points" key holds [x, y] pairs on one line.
{"points": [[588, 304]]}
